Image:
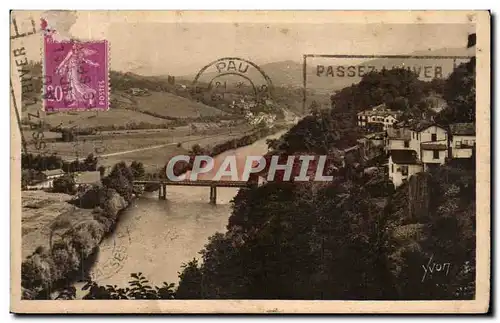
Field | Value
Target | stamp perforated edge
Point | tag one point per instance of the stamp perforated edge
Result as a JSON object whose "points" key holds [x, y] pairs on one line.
{"points": [[108, 80]]}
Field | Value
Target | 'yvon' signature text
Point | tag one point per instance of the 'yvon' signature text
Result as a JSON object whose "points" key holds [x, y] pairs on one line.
{"points": [[431, 266]]}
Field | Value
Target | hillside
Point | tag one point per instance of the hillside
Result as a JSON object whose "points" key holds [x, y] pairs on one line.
{"points": [[290, 73], [164, 104], [115, 116], [156, 107]]}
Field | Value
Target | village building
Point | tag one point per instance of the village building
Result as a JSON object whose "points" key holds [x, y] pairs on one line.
{"points": [[47, 181], [53, 173], [413, 146], [403, 163], [378, 118], [40, 185], [372, 145], [397, 138], [463, 139], [85, 180], [137, 91]]}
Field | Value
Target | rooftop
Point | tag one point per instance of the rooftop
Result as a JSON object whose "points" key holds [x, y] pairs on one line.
{"points": [[353, 148], [380, 110], [404, 156], [419, 125], [464, 129], [53, 172], [375, 135], [399, 133], [88, 178], [433, 146]]}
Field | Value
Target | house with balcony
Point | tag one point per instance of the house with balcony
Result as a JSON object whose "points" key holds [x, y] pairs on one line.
{"points": [[430, 141], [403, 163], [462, 139], [378, 118], [425, 140]]}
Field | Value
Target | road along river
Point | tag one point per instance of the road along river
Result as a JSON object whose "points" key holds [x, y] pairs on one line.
{"points": [[156, 237]]}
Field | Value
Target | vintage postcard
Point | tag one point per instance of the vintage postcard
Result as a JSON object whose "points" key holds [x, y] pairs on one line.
{"points": [[250, 162]]}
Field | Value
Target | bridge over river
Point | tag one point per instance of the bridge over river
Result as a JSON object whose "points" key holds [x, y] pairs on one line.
{"points": [[213, 184]]}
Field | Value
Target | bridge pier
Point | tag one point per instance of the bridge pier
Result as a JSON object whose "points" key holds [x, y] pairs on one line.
{"points": [[213, 194], [162, 192]]}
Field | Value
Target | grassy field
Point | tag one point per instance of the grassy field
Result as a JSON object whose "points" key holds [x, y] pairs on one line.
{"points": [[155, 159], [152, 147], [85, 119], [170, 105]]}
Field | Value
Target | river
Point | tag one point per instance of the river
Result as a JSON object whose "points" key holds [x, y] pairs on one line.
{"points": [[156, 237]]}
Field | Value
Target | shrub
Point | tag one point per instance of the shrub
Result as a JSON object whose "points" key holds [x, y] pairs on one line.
{"points": [[64, 184]]}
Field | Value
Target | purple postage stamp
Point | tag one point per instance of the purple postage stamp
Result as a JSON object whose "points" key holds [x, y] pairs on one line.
{"points": [[75, 75]]}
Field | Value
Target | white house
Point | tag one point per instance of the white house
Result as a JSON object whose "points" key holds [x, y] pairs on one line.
{"points": [[53, 173], [463, 139], [430, 141], [379, 115], [403, 163], [47, 181]]}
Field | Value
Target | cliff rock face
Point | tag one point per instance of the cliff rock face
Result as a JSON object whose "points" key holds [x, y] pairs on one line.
{"points": [[431, 225], [419, 198]]}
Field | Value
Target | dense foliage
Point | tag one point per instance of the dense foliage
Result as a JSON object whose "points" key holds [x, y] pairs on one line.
{"points": [[65, 184], [460, 94], [53, 161]]}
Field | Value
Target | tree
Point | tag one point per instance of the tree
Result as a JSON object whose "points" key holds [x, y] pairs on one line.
{"points": [[64, 184], [89, 163], [190, 281], [384, 86], [460, 94], [196, 150], [314, 108], [120, 179], [137, 169], [102, 170], [139, 288], [120, 183]]}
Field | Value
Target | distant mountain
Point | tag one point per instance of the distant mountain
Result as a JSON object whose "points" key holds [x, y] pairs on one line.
{"points": [[327, 75]]}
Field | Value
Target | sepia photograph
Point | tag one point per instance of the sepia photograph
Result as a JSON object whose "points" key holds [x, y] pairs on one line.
{"points": [[276, 162]]}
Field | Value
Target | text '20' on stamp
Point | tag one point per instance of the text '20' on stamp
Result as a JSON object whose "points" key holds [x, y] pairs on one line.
{"points": [[75, 75]]}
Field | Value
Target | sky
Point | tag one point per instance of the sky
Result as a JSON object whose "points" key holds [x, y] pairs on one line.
{"points": [[152, 47]]}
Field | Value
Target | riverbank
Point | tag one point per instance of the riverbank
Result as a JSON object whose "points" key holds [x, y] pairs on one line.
{"points": [[230, 144]]}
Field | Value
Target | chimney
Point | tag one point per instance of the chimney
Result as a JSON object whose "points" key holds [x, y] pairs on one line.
{"points": [[471, 40]]}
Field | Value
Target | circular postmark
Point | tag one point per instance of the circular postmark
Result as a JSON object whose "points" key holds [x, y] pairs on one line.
{"points": [[233, 84], [77, 239]]}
